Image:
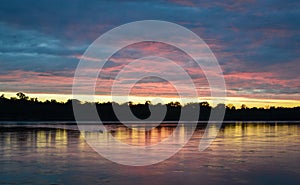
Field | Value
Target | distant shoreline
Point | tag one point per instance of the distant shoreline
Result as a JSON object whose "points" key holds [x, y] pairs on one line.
{"points": [[131, 122], [25, 109]]}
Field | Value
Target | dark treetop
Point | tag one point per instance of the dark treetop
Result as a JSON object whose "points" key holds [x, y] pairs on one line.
{"points": [[24, 108]]}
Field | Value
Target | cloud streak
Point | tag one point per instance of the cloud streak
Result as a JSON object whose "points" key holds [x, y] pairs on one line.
{"points": [[256, 43]]}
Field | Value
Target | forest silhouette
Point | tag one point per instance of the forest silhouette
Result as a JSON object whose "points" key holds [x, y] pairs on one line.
{"points": [[23, 108]]}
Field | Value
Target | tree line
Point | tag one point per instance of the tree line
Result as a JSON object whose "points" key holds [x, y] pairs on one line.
{"points": [[23, 108]]}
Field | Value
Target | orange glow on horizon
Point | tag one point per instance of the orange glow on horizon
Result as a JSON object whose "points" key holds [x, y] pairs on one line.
{"points": [[236, 101]]}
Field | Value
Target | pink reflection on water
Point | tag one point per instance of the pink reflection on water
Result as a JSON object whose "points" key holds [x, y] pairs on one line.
{"points": [[253, 153]]}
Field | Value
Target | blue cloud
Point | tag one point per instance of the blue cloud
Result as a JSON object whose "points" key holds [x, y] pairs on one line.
{"points": [[253, 36]]}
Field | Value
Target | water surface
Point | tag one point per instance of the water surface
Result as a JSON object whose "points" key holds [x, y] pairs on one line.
{"points": [[243, 153]]}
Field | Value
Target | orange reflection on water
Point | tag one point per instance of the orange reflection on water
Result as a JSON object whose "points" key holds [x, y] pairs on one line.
{"points": [[141, 137], [61, 138], [256, 139]]}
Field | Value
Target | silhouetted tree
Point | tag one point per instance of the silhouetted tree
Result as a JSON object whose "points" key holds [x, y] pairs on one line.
{"points": [[22, 96], [174, 104], [204, 104], [230, 107], [243, 106], [32, 109], [33, 99]]}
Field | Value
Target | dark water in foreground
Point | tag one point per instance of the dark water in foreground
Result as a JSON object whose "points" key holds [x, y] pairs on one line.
{"points": [[243, 153]]}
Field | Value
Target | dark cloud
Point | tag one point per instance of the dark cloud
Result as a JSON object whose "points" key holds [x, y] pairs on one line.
{"points": [[246, 36]]}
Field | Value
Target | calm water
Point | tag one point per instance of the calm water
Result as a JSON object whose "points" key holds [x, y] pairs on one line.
{"points": [[243, 153]]}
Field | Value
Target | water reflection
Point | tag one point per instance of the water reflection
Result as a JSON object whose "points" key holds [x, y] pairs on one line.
{"points": [[252, 153], [140, 137]]}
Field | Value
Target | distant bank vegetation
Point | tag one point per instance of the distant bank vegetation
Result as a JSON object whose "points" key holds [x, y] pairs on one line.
{"points": [[23, 108]]}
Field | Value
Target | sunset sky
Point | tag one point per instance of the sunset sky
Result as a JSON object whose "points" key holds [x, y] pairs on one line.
{"points": [[256, 43]]}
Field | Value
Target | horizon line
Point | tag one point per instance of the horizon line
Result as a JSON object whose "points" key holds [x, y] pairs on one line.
{"points": [[235, 101]]}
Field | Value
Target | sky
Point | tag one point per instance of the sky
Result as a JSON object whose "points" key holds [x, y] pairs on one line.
{"points": [[256, 44]]}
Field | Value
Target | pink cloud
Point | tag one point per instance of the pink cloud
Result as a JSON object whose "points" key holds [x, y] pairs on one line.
{"points": [[30, 81]]}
